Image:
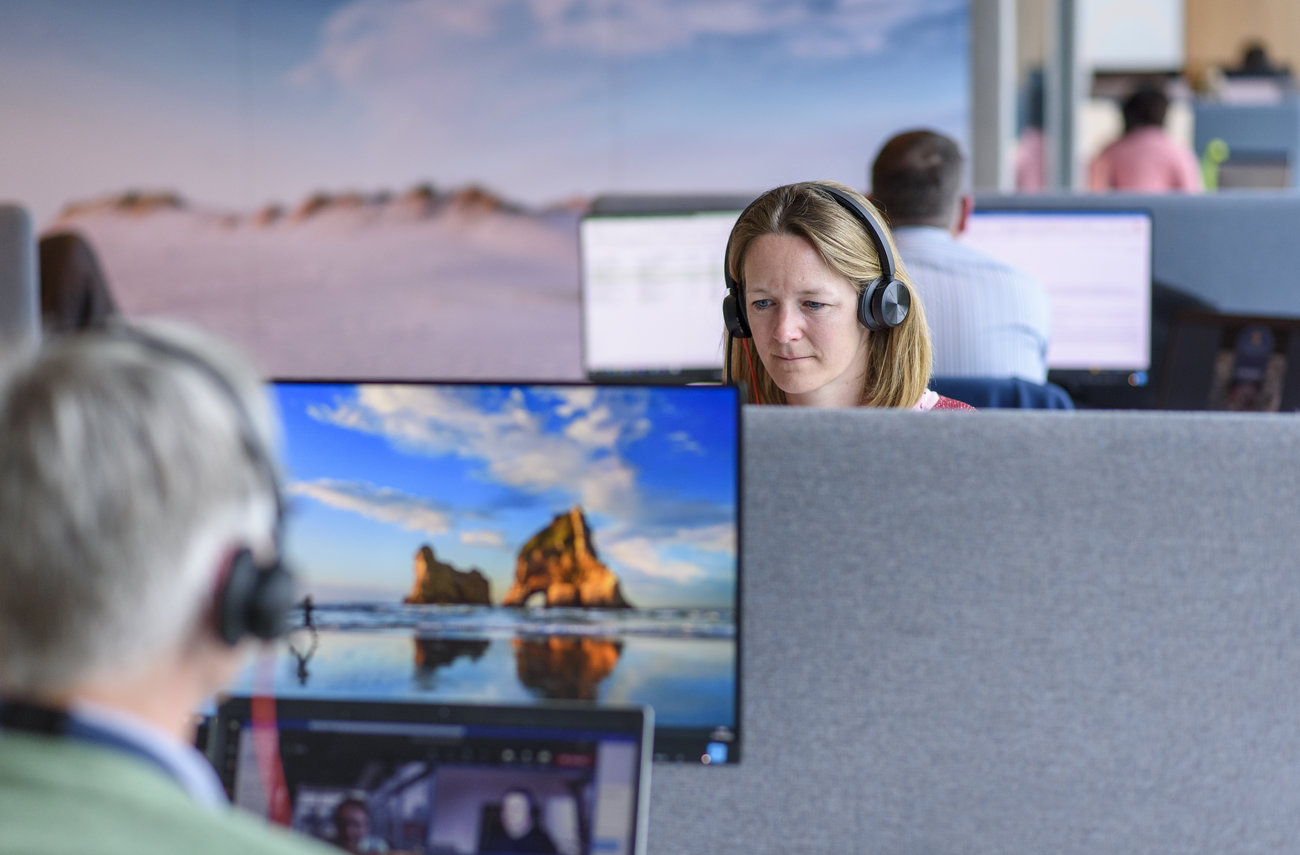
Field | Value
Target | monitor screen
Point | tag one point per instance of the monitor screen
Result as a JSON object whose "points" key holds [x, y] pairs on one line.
{"points": [[372, 776], [517, 543], [1231, 362], [651, 294], [1096, 266]]}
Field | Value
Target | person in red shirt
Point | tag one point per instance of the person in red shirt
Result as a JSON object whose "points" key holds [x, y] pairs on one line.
{"points": [[1145, 159]]}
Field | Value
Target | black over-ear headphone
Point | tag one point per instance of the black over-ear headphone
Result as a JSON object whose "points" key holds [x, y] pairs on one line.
{"points": [[881, 305], [253, 598]]}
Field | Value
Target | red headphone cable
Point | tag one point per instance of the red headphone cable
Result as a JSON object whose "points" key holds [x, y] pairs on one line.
{"points": [[753, 380], [266, 739]]}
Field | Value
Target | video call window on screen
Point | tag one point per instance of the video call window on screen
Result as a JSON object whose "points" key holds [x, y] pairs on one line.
{"points": [[1222, 361], [651, 294], [376, 777], [1096, 267]]}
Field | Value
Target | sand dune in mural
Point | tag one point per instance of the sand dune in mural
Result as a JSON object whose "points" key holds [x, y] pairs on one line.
{"points": [[421, 284]]}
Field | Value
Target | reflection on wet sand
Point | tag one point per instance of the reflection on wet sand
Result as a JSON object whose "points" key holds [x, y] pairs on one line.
{"points": [[434, 653], [565, 668]]}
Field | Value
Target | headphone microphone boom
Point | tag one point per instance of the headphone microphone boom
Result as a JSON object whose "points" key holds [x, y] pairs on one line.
{"points": [[882, 304]]}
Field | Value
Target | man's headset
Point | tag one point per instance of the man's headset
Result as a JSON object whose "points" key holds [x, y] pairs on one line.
{"points": [[253, 598], [883, 304]]}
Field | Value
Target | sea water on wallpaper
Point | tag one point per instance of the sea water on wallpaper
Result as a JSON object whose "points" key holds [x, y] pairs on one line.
{"points": [[680, 661]]}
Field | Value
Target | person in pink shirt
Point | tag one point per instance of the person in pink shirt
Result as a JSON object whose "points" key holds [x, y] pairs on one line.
{"points": [[1145, 159]]}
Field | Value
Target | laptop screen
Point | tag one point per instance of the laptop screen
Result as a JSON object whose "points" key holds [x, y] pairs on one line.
{"points": [[483, 543], [400, 777]]}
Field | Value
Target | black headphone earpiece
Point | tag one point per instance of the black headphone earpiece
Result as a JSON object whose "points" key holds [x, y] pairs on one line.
{"points": [[882, 305], [733, 315], [253, 598]]}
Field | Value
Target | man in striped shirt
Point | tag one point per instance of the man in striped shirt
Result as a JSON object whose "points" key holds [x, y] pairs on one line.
{"points": [[987, 319]]}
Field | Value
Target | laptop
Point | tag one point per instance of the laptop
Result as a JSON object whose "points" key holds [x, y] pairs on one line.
{"points": [[388, 776]]}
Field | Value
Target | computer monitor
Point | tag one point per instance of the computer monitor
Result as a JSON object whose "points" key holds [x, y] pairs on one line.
{"points": [[1218, 361], [507, 543], [651, 291], [1096, 266], [375, 776]]}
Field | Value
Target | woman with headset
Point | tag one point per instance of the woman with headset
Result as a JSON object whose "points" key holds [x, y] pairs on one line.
{"points": [[813, 283]]}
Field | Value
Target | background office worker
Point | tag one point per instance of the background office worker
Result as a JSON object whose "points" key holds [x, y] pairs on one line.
{"points": [[1145, 159], [138, 513], [987, 318], [814, 285]]}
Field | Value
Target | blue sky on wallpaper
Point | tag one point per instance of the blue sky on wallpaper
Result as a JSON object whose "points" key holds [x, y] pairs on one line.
{"points": [[376, 471], [236, 103]]}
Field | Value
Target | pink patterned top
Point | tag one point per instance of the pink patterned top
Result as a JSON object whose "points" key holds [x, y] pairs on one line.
{"points": [[932, 400]]}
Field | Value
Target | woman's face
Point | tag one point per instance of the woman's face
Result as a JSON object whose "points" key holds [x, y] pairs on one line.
{"points": [[804, 317]]}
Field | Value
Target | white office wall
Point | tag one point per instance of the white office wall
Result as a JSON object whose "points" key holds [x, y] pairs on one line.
{"points": [[1131, 34]]}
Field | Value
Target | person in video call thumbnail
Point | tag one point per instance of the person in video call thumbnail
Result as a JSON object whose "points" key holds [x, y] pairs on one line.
{"points": [[520, 829], [352, 827], [814, 282]]}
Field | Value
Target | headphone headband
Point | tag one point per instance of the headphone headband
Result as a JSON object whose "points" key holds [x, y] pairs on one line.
{"points": [[882, 304], [874, 228]]}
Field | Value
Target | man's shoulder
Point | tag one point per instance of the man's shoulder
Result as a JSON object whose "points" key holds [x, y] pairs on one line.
{"points": [[60, 796]]}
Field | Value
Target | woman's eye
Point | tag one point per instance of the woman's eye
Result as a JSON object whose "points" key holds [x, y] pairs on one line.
{"points": [[813, 304], [762, 304]]}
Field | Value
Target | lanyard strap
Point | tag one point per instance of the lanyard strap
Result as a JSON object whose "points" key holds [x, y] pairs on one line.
{"points": [[45, 721]]}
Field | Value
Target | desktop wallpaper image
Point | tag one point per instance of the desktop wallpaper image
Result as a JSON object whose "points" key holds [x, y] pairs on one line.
{"points": [[510, 483], [391, 188]]}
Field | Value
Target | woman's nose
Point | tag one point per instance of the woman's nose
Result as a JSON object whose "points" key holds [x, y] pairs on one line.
{"points": [[789, 324]]}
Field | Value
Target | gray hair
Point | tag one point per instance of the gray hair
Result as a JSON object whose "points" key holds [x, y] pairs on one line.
{"points": [[127, 479]]}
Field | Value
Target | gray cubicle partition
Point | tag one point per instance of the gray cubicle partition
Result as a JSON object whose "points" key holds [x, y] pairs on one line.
{"points": [[1262, 139], [1010, 633], [1238, 251], [20, 306]]}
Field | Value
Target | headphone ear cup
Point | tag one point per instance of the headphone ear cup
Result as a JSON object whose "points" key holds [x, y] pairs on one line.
{"points": [[268, 611], [734, 317], [884, 304], [252, 600], [233, 595]]}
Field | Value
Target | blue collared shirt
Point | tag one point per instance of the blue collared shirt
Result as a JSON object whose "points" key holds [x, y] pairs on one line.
{"points": [[111, 728]]}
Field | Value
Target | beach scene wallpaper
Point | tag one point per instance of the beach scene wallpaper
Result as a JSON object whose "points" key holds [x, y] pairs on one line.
{"points": [[505, 543], [391, 188]]}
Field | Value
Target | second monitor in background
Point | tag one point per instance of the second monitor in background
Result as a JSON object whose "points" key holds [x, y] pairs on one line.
{"points": [[1096, 266], [652, 287]]}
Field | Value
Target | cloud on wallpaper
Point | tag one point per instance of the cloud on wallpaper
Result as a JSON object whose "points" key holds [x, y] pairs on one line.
{"points": [[375, 40]]}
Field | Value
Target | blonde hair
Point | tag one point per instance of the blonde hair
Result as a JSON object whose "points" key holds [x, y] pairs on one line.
{"points": [[898, 359]]}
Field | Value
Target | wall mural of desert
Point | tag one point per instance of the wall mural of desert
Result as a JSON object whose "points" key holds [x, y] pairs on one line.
{"points": [[481, 542], [391, 188]]}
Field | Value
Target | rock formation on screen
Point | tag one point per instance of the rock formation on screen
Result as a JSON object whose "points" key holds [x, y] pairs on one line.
{"points": [[439, 583], [560, 563], [566, 669]]}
